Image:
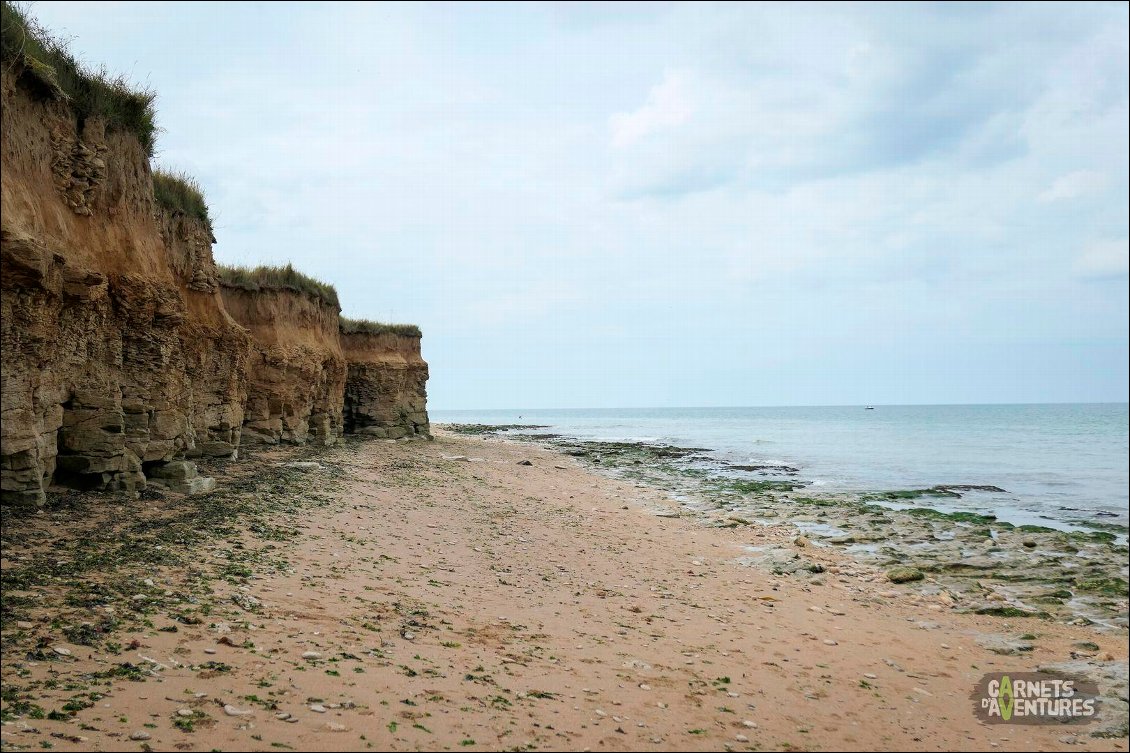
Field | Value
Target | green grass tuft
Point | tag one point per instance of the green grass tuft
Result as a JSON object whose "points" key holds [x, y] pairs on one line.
{"points": [[366, 327], [45, 64], [277, 278], [178, 192]]}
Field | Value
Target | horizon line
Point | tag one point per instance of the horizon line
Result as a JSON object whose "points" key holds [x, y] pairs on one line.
{"points": [[783, 405]]}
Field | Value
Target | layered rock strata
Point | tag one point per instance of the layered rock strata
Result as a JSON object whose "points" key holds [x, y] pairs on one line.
{"points": [[121, 359], [385, 392], [117, 354], [297, 371]]}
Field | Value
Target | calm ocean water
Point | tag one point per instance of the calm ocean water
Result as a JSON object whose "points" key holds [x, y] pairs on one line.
{"points": [[1057, 463]]}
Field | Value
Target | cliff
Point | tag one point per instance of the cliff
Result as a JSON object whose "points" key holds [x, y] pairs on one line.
{"points": [[297, 371], [121, 359], [117, 352], [385, 393]]}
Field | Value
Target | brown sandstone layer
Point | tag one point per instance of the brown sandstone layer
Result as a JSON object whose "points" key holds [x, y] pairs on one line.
{"points": [[297, 370], [118, 355], [385, 393]]}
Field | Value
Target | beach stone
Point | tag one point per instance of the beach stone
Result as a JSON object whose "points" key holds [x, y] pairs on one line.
{"points": [[245, 602], [318, 708], [904, 574], [24, 625], [1003, 645], [311, 655], [524, 462], [303, 465], [140, 735], [801, 541], [234, 711]]}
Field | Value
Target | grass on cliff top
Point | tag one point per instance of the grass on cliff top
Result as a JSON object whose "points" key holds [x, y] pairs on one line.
{"points": [[46, 64], [178, 192], [277, 278], [366, 327]]}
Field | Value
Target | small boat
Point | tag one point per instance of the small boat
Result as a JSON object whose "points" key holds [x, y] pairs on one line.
{"points": [[870, 407]]}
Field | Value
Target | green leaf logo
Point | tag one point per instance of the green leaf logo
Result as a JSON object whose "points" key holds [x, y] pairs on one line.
{"points": [[1005, 698]]}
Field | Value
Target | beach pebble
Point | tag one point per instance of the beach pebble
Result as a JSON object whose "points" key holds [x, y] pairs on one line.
{"points": [[209, 650], [61, 651], [870, 676], [800, 541], [335, 727], [524, 462], [318, 708], [904, 574], [644, 686], [234, 711], [24, 625], [830, 642], [311, 655], [184, 712], [741, 738], [140, 735]]}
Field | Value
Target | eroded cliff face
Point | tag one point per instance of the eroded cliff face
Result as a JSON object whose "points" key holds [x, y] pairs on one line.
{"points": [[297, 370], [118, 355], [385, 392]]}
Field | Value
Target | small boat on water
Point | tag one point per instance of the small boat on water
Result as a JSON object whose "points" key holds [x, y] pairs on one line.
{"points": [[870, 407]]}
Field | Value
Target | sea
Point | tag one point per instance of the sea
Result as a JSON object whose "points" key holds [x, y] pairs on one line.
{"points": [[1058, 464]]}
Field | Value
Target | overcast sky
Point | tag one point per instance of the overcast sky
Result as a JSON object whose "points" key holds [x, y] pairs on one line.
{"points": [[671, 205]]}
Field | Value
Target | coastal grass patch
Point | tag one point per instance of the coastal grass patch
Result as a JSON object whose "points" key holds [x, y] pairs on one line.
{"points": [[178, 192], [1011, 612], [267, 277], [758, 486], [366, 327], [1106, 586], [956, 517], [47, 65]]}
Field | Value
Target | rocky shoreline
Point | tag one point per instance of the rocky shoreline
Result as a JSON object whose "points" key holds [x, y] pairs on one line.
{"points": [[967, 562]]}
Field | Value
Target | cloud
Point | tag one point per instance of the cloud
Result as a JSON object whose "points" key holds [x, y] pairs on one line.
{"points": [[1104, 260], [778, 176], [668, 105], [1073, 185]]}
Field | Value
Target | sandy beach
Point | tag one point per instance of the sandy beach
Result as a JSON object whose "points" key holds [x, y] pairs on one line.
{"points": [[443, 596]]}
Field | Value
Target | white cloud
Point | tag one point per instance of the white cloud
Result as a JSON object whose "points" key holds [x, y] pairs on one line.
{"points": [[1074, 185], [1104, 259], [668, 105]]}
